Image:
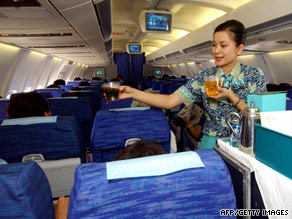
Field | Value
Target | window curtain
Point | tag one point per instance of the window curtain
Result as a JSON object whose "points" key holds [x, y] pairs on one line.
{"points": [[130, 66]]}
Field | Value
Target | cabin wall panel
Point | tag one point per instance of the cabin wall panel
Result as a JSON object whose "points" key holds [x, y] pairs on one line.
{"points": [[22, 69], [280, 66]]}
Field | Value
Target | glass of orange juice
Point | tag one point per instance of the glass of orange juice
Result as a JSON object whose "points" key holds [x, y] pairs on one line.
{"points": [[212, 83]]}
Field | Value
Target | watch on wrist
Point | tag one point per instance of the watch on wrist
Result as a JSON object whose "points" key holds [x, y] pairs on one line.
{"points": [[236, 103]]}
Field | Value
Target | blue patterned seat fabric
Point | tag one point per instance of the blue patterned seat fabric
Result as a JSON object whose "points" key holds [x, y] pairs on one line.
{"points": [[111, 130], [3, 106], [62, 139], [81, 107], [73, 83], [115, 104], [190, 193], [94, 97], [25, 192]]}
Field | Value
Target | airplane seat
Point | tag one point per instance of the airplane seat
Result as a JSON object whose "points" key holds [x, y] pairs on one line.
{"points": [[56, 92], [94, 97], [289, 104], [25, 192], [3, 106], [289, 93], [96, 83], [111, 129], [143, 84], [115, 104], [189, 192], [81, 107], [54, 137], [66, 88], [73, 83], [150, 84], [156, 85], [173, 87], [164, 87]]}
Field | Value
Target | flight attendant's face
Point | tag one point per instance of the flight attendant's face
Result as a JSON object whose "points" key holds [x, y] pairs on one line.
{"points": [[225, 50]]}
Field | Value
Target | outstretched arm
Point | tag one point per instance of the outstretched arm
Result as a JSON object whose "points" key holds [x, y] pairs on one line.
{"points": [[157, 100]]}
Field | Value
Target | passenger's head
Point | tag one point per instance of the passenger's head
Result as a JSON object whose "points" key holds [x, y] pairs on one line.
{"points": [[96, 79], [77, 79], [53, 86], [130, 83], [172, 77], [83, 83], [27, 105], [141, 148], [183, 76], [115, 79], [165, 76], [228, 43], [60, 82]]}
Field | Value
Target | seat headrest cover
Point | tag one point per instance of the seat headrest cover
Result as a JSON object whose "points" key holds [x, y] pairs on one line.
{"points": [[153, 165], [2, 161], [30, 120], [131, 108]]}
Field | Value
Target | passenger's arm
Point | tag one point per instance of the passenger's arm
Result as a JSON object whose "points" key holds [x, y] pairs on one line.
{"points": [[157, 100]]}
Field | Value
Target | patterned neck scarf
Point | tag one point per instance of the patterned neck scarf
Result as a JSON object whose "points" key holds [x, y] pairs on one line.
{"points": [[234, 80]]}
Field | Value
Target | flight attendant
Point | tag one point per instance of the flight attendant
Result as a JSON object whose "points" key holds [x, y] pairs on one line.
{"points": [[238, 81]]}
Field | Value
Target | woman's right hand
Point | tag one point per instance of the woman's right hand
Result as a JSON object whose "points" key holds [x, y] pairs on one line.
{"points": [[125, 92]]}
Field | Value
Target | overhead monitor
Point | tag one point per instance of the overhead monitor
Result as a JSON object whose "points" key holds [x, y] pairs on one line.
{"points": [[154, 21], [158, 72], [134, 48], [99, 72]]}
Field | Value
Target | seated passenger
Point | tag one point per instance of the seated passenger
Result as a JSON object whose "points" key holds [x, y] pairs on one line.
{"points": [[27, 105], [77, 79], [83, 83], [96, 79], [60, 82], [140, 148], [61, 208], [53, 86]]}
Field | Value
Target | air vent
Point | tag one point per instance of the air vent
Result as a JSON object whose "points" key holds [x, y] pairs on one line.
{"points": [[159, 58], [103, 11], [36, 35], [270, 26], [19, 3], [203, 45], [150, 61], [174, 54], [284, 42], [55, 47]]}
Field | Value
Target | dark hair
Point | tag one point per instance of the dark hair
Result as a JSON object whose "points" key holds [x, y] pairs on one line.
{"points": [[83, 83], [172, 77], [27, 105], [141, 148], [130, 83], [53, 86], [60, 82], [77, 79], [96, 79], [165, 76], [183, 76], [236, 28]]}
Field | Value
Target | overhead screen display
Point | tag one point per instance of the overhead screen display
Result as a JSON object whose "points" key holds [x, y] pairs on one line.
{"points": [[99, 73], [133, 48], [158, 22]]}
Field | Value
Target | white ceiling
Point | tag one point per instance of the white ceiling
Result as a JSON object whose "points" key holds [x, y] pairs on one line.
{"points": [[82, 40]]}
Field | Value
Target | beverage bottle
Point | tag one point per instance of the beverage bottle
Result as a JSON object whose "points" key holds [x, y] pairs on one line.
{"points": [[236, 127]]}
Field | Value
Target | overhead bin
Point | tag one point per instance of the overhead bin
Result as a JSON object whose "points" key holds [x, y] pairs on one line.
{"points": [[82, 16]]}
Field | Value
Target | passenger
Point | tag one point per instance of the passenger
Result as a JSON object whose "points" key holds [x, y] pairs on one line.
{"points": [[119, 77], [53, 86], [27, 105], [96, 79], [84, 83], [183, 76], [77, 79], [165, 76], [172, 77], [239, 81], [61, 208], [141, 148], [130, 83], [60, 82]]}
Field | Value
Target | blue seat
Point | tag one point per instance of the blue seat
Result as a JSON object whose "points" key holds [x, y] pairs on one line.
{"points": [[173, 87], [156, 85], [73, 83], [81, 107], [189, 193], [66, 88], [56, 92], [25, 192], [3, 106], [55, 140], [94, 97], [164, 87], [111, 129], [289, 93], [115, 104], [289, 104]]}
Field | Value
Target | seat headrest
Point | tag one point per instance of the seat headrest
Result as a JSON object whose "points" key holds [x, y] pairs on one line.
{"points": [[30, 120], [153, 165]]}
